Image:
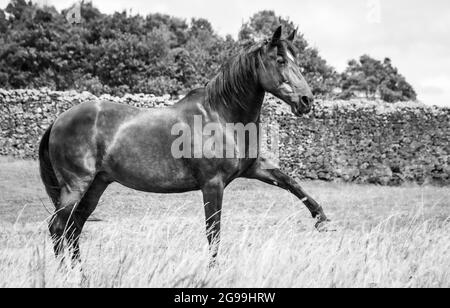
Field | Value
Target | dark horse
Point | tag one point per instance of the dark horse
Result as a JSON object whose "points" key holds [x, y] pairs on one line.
{"points": [[95, 144]]}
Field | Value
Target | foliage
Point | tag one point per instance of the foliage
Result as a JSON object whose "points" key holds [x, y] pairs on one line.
{"points": [[155, 54], [3, 22], [374, 78]]}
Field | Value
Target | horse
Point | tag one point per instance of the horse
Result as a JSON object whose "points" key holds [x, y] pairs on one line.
{"points": [[95, 144]]}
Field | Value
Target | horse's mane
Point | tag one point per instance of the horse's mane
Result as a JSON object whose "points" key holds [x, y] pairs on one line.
{"points": [[235, 79]]}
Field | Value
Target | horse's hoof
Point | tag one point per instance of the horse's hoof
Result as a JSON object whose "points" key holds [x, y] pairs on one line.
{"points": [[212, 263], [324, 226]]}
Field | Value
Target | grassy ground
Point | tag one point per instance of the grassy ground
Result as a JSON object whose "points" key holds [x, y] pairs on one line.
{"points": [[387, 237]]}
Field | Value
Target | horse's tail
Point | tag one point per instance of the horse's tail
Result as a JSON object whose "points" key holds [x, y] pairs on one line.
{"points": [[48, 175]]}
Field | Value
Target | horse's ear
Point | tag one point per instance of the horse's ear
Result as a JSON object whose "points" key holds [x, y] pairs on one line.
{"points": [[291, 37], [277, 35]]}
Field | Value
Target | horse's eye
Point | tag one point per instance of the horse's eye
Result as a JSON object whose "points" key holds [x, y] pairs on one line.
{"points": [[281, 60]]}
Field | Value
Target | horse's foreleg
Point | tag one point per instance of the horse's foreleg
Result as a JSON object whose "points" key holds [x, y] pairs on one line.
{"points": [[212, 198], [265, 172]]}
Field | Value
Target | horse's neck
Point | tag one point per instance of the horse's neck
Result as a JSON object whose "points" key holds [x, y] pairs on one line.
{"points": [[251, 114], [248, 111]]}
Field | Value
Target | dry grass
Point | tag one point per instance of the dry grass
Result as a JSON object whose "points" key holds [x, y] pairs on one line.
{"points": [[388, 237]]}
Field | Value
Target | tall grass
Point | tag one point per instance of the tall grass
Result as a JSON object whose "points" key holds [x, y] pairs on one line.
{"points": [[387, 237], [172, 252]]}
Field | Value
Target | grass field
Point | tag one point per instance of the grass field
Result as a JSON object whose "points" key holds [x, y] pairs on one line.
{"points": [[387, 237]]}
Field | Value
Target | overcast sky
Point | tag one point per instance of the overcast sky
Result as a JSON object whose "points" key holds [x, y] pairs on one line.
{"points": [[415, 34]]}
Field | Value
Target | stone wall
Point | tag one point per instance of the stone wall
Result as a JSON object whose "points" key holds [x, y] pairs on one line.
{"points": [[367, 142], [355, 141]]}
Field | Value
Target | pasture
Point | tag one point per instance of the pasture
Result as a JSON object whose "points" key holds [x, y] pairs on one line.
{"points": [[386, 237]]}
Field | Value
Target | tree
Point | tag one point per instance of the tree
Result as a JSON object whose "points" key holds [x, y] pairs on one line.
{"points": [[207, 50], [177, 26], [374, 78], [119, 53], [17, 8], [201, 27], [89, 13], [3, 21]]}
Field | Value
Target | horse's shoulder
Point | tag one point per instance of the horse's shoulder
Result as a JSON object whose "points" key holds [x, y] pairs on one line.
{"points": [[193, 101]]}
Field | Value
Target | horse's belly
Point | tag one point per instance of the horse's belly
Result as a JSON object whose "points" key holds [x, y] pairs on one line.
{"points": [[142, 160], [159, 177]]}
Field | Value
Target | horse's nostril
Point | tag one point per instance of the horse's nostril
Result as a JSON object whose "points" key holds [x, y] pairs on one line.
{"points": [[307, 101]]}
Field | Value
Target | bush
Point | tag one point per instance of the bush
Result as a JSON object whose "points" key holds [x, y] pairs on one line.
{"points": [[91, 84], [119, 53], [159, 86]]}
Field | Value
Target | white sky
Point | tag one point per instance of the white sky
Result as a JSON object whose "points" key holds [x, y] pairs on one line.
{"points": [[415, 34]]}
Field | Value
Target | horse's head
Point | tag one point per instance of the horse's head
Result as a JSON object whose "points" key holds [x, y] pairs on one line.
{"points": [[281, 76]]}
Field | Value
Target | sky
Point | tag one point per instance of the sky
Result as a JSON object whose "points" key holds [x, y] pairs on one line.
{"points": [[415, 34]]}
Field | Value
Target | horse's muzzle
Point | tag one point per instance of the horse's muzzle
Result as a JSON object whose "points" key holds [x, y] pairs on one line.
{"points": [[304, 106]]}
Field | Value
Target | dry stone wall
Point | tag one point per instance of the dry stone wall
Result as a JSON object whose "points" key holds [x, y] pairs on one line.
{"points": [[367, 142], [352, 141]]}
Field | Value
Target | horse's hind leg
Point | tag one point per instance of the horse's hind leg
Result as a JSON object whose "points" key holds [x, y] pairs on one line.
{"points": [[82, 212], [60, 224]]}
